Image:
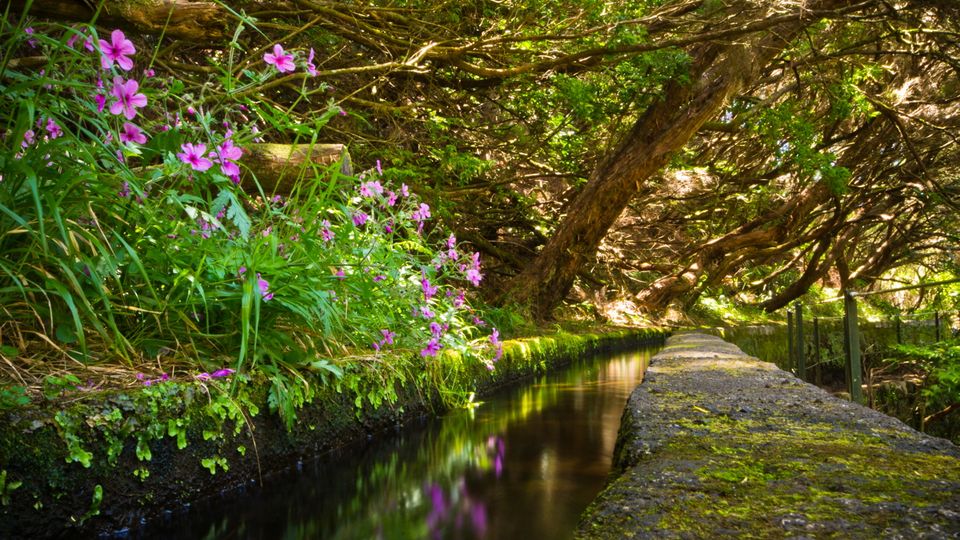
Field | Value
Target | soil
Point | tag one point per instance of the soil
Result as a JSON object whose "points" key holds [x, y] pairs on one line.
{"points": [[715, 443]]}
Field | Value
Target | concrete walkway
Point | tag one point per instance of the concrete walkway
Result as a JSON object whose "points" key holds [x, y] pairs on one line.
{"points": [[717, 444]]}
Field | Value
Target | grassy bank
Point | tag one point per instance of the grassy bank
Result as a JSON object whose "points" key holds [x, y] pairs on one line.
{"points": [[105, 460]]}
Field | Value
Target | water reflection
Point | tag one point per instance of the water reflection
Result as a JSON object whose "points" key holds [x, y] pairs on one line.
{"points": [[524, 464]]}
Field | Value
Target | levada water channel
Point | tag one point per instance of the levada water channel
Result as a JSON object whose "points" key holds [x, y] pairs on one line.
{"points": [[524, 464]]}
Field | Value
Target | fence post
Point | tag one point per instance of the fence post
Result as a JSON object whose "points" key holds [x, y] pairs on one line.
{"points": [[899, 331], [801, 353], [852, 335], [817, 375], [789, 339], [936, 325]]}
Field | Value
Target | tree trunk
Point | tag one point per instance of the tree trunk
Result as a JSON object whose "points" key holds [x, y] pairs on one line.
{"points": [[816, 269], [718, 72]]}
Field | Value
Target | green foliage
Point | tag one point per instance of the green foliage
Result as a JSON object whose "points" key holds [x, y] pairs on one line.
{"points": [[7, 487], [69, 428], [95, 501], [794, 139], [939, 366], [54, 385], [211, 464], [141, 243], [13, 396]]}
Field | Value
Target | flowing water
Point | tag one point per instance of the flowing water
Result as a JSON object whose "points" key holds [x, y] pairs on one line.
{"points": [[524, 464]]}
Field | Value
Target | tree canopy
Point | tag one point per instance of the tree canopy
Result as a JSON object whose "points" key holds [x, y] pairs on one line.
{"points": [[656, 149]]}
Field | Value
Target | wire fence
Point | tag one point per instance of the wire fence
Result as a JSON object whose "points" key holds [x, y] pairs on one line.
{"points": [[861, 339], [818, 347]]}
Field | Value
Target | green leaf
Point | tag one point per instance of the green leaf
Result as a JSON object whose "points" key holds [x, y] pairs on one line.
{"points": [[66, 334], [143, 449]]}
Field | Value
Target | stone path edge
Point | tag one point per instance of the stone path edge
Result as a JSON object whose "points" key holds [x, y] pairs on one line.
{"points": [[715, 443]]}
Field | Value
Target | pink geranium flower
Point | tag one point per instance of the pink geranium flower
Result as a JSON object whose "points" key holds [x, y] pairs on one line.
{"points": [[53, 130], [225, 155], [193, 155], [283, 61], [432, 348], [116, 50], [132, 133], [311, 69], [264, 287], [128, 100]]}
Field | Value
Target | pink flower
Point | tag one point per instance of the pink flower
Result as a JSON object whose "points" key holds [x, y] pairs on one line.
{"points": [[498, 345], [28, 138], [116, 50], [369, 189], [222, 373], [422, 213], [326, 232], [128, 100], [101, 102], [53, 130], [193, 155], [131, 133], [311, 69], [432, 348], [225, 153], [264, 287], [32, 41], [474, 276], [279, 59], [428, 289], [360, 218]]}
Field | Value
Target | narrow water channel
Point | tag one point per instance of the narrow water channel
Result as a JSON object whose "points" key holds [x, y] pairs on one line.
{"points": [[523, 465]]}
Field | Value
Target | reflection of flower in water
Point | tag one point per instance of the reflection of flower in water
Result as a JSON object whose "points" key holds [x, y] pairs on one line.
{"points": [[438, 508], [456, 509], [479, 517], [496, 445]]}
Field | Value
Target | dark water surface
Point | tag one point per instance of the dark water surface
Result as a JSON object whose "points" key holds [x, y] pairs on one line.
{"points": [[523, 465]]}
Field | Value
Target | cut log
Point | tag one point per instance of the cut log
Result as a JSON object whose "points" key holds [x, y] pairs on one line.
{"points": [[277, 167], [197, 22]]}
